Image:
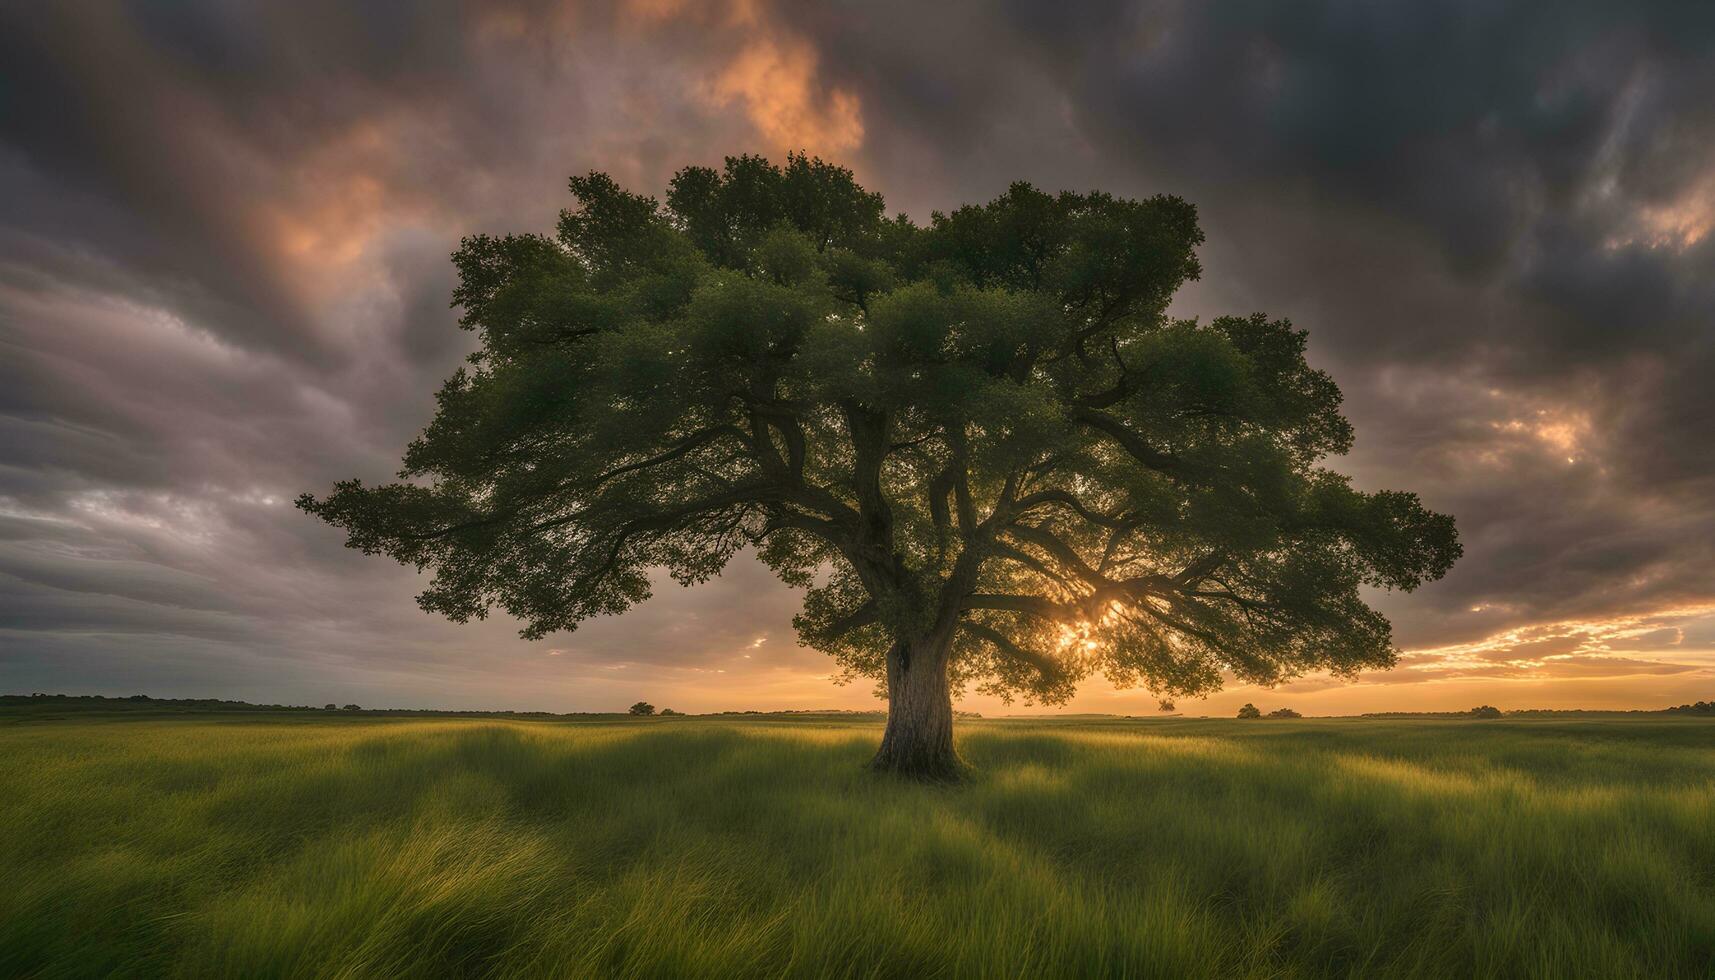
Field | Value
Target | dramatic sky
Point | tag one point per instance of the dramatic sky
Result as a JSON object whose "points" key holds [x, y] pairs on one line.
{"points": [[224, 231]]}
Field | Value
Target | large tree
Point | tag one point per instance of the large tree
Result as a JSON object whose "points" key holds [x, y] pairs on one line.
{"points": [[981, 446]]}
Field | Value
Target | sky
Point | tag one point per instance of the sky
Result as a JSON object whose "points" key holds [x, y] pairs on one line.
{"points": [[224, 280]]}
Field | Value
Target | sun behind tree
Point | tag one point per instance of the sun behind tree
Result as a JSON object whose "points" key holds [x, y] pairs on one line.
{"points": [[981, 446]]}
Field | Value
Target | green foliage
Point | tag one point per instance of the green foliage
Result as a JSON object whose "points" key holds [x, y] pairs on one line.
{"points": [[1250, 711], [641, 708], [316, 845], [1284, 713], [983, 438]]}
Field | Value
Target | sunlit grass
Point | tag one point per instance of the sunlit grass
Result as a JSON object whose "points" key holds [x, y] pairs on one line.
{"points": [[310, 846]]}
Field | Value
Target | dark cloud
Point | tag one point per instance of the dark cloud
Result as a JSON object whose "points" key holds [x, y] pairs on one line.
{"points": [[223, 278]]}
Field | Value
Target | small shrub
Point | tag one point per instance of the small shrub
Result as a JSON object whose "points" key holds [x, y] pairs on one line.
{"points": [[353, 707], [667, 711], [1284, 713], [1485, 711]]}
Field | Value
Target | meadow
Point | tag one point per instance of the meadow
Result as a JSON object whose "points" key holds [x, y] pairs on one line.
{"points": [[306, 845]]}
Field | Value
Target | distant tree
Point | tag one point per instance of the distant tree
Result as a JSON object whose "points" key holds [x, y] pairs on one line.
{"points": [[353, 707], [668, 711], [982, 446], [330, 706], [1249, 711], [642, 708], [1284, 713], [1700, 708], [1485, 711]]}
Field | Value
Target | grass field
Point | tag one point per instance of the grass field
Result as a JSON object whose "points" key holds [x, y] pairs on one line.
{"points": [[246, 846]]}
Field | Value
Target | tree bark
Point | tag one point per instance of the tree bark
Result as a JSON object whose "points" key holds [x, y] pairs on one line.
{"points": [[918, 742]]}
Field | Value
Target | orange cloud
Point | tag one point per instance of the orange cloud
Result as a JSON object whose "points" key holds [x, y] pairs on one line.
{"points": [[1684, 222], [323, 213], [775, 82], [331, 202], [757, 67], [1561, 432], [734, 12], [1675, 225], [335, 226]]}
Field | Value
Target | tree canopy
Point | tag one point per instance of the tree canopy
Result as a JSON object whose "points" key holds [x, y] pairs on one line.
{"points": [[984, 435]]}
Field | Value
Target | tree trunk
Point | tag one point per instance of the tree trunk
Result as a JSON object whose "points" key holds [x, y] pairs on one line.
{"points": [[918, 741]]}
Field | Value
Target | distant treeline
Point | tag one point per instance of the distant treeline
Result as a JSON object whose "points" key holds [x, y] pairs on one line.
{"points": [[142, 702], [875, 714], [842, 712], [1699, 708]]}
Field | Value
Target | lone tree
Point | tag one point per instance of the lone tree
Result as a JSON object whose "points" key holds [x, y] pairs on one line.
{"points": [[1250, 711], [642, 708], [980, 445]]}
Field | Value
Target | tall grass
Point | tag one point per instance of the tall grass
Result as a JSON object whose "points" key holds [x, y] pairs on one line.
{"points": [[352, 847]]}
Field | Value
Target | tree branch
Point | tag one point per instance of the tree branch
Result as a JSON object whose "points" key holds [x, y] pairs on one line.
{"points": [[1130, 441], [863, 615], [1030, 605], [686, 445], [1046, 666], [1071, 502], [1061, 552]]}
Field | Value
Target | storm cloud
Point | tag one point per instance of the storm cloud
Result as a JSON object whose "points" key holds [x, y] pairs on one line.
{"points": [[224, 231]]}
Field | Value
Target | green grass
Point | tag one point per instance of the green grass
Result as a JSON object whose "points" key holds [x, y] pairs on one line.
{"points": [[244, 846]]}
